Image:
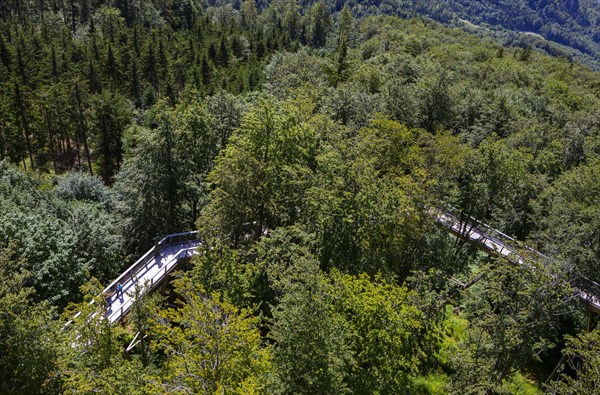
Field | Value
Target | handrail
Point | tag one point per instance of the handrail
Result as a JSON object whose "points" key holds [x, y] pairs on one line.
{"points": [[451, 220], [150, 255], [154, 281], [489, 231], [586, 289]]}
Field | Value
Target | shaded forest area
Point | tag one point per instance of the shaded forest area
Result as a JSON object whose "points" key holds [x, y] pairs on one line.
{"points": [[308, 148]]}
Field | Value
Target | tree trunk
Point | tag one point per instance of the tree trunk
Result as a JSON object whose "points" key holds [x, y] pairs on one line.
{"points": [[64, 10], [78, 152], [73, 20], [83, 130], [85, 11], [70, 155], [28, 139], [20, 107], [50, 139]]}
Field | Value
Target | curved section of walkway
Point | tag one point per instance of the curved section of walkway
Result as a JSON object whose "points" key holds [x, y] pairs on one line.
{"points": [[146, 275]]}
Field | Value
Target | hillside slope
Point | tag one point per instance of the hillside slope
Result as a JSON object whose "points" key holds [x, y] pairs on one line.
{"points": [[568, 28]]}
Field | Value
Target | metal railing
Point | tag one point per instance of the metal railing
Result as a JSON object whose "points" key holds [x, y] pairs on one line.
{"points": [[157, 278], [150, 256], [148, 259], [465, 226], [469, 225]]}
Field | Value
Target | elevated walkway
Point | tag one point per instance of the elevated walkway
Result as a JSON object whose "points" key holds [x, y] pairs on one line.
{"points": [[149, 271], [153, 267], [494, 242]]}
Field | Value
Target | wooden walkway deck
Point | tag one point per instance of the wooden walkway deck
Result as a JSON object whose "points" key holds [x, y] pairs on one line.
{"points": [[152, 268], [497, 243], [146, 276]]}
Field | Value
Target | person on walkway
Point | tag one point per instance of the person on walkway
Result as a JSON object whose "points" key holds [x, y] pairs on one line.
{"points": [[119, 290]]}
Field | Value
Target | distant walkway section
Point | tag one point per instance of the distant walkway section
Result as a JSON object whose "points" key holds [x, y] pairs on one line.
{"points": [[497, 243]]}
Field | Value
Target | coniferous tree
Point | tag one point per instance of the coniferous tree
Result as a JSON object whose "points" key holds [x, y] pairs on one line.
{"points": [[205, 71], [82, 128], [125, 7], [23, 122], [291, 20], [108, 119], [49, 130], [248, 15], [223, 53], [4, 54], [163, 61], [112, 69], [320, 23], [345, 23], [21, 64], [135, 83], [95, 86], [212, 53], [150, 66], [135, 40], [341, 73], [95, 49], [54, 73]]}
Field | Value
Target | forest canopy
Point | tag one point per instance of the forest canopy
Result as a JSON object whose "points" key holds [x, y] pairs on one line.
{"points": [[310, 145]]}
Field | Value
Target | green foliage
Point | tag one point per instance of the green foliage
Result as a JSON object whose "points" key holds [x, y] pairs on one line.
{"points": [[28, 333], [314, 198], [220, 268], [80, 186], [341, 333], [68, 85], [364, 202], [513, 319], [312, 353], [319, 22], [495, 184], [265, 166], [564, 29], [568, 214], [63, 241], [210, 346], [91, 357], [580, 373], [109, 116], [160, 187], [386, 329]]}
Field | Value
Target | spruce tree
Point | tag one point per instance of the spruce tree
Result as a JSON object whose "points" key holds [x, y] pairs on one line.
{"points": [[4, 54]]}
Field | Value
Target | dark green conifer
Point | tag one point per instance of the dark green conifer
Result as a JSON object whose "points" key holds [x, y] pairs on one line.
{"points": [[23, 122], [223, 53], [135, 83], [94, 81], [54, 65], [4, 54]]}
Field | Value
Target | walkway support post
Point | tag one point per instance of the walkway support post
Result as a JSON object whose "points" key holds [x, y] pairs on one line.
{"points": [[592, 320], [163, 287]]}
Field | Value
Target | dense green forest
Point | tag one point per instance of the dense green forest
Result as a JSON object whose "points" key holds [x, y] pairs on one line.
{"points": [[308, 143], [567, 28]]}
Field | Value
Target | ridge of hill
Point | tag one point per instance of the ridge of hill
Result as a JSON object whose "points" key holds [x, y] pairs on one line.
{"points": [[567, 28]]}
